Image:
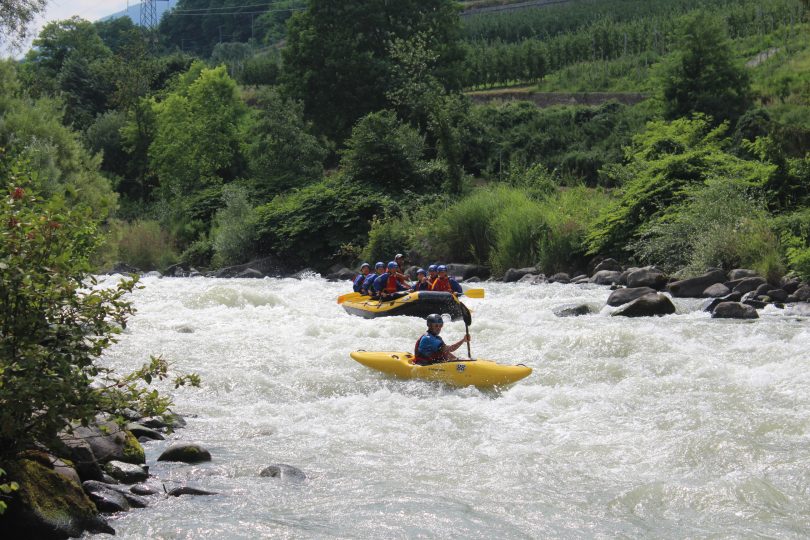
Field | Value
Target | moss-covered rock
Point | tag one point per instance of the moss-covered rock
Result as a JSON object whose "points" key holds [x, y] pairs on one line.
{"points": [[133, 451], [47, 505], [186, 453]]}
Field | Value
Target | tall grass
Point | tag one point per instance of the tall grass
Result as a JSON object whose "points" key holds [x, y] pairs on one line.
{"points": [[143, 244]]}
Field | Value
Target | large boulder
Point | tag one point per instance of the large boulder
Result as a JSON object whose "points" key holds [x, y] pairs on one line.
{"points": [[142, 431], [606, 277], [649, 276], [79, 452], [790, 284], [802, 294], [467, 271], [749, 284], [109, 442], [694, 287], [608, 264], [623, 296], [127, 473], [560, 277], [716, 291], [514, 274], [712, 303], [185, 453], [777, 295], [652, 304], [47, 505], [734, 310], [741, 273]]}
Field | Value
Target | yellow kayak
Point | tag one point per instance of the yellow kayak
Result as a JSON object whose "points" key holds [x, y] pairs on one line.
{"points": [[480, 373]]}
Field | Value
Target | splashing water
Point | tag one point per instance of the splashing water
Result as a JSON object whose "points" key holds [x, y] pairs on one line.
{"points": [[671, 427]]}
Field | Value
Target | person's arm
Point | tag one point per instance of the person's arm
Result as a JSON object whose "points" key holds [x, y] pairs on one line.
{"points": [[456, 345]]}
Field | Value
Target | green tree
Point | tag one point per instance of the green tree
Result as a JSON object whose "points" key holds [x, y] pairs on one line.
{"points": [[702, 76], [15, 16], [338, 62], [197, 138], [281, 153], [56, 43], [386, 155], [60, 164], [662, 163]]}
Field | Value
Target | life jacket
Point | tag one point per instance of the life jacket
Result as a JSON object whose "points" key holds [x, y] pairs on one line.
{"points": [[421, 286], [442, 284], [391, 284], [358, 282], [421, 359]]}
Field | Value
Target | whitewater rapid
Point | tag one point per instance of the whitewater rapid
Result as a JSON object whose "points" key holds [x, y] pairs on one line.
{"points": [[672, 427]]}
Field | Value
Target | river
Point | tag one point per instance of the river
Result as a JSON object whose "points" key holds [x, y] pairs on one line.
{"points": [[673, 427]]}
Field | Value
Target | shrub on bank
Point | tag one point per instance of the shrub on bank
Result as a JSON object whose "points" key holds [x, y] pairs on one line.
{"points": [[144, 244]]}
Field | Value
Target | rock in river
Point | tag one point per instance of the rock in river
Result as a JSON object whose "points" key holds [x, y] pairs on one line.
{"points": [[186, 453], [648, 305]]}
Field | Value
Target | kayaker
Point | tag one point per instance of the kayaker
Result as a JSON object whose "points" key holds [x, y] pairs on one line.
{"points": [[422, 283], [431, 349], [368, 284], [388, 285], [432, 273], [365, 270], [445, 283]]}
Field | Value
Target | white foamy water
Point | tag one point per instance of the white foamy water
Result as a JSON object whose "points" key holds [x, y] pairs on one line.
{"points": [[672, 427]]}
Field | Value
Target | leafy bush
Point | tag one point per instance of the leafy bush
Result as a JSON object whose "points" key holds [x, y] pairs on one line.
{"points": [[569, 214], [145, 245], [56, 323], [310, 226], [386, 238], [721, 224], [234, 229], [662, 163]]}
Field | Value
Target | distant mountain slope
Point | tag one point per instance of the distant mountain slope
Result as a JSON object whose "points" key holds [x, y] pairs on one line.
{"points": [[134, 11]]}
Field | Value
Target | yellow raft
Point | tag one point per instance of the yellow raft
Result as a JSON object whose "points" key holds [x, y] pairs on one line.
{"points": [[480, 373]]}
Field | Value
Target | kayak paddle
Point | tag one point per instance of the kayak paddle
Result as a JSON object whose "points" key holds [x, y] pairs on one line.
{"points": [[467, 316]]}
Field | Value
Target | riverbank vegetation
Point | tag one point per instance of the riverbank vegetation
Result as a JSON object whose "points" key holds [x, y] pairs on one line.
{"points": [[322, 133]]}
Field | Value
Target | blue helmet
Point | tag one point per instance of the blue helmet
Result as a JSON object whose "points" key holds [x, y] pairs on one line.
{"points": [[379, 265], [364, 265], [392, 265], [421, 271], [441, 268], [432, 268]]}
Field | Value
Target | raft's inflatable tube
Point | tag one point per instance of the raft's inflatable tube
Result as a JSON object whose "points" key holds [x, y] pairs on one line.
{"points": [[415, 304], [480, 373]]}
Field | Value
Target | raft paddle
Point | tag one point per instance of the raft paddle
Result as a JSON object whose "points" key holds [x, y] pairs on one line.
{"points": [[349, 296], [474, 293]]}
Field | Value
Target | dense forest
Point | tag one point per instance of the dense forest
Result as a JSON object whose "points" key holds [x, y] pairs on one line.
{"points": [[328, 133]]}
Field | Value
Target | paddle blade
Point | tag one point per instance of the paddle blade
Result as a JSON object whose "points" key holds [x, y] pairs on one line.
{"points": [[350, 296], [465, 314], [474, 293]]}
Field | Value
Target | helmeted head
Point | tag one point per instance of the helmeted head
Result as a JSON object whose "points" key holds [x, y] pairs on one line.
{"points": [[400, 258], [365, 266], [393, 266], [432, 268], [422, 272], [441, 268], [379, 267], [435, 323]]}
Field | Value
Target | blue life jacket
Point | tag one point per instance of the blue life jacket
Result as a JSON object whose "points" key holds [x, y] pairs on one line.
{"points": [[358, 282], [422, 356], [368, 283]]}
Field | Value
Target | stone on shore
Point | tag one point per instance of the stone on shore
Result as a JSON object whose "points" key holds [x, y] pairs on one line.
{"points": [[623, 296], [185, 453], [741, 273], [694, 287], [109, 442], [802, 294], [734, 310], [649, 276], [652, 304], [749, 284], [47, 505], [560, 277], [606, 277], [285, 472], [142, 431], [514, 274], [126, 472], [467, 271], [608, 264], [712, 303]]}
